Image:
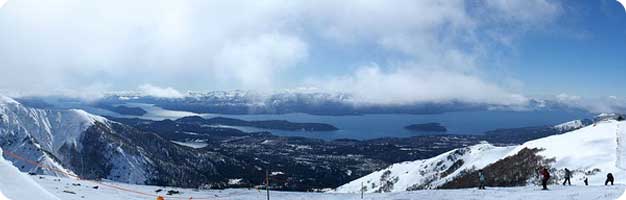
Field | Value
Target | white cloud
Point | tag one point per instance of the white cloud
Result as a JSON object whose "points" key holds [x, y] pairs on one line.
{"points": [[609, 104], [622, 2], [563, 97], [71, 43], [254, 62], [62, 46], [407, 84], [168, 92], [445, 42]]}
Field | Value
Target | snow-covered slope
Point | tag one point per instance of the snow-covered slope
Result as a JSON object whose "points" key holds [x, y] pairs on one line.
{"points": [[591, 148], [39, 135], [591, 151], [76, 142], [55, 139], [572, 125], [15, 185], [85, 191], [51, 128], [428, 173]]}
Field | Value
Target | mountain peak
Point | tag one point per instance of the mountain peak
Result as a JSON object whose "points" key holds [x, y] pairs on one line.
{"points": [[7, 100], [88, 117]]}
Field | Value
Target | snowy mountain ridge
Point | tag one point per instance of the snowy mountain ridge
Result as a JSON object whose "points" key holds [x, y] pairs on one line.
{"points": [[54, 138], [75, 142], [591, 152], [51, 128], [429, 173], [572, 125], [41, 134]]}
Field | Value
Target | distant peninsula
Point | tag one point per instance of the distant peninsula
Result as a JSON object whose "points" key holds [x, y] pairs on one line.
{"points": [[124, 110], [427, 127]]}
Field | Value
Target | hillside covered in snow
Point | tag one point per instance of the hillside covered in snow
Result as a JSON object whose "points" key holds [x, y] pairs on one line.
{"points": [[15, 185], [591, 152], [74, 142], [68, 189]]}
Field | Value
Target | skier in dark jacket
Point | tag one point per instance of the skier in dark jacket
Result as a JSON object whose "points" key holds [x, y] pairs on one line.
{"points": [[609, 178], [545, 178], [481, 179], [568, 175]]}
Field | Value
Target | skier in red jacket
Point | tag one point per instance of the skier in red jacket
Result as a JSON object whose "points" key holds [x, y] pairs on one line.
{"points": [[546, 176]]}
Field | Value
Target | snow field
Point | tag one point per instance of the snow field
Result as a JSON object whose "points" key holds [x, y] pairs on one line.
{"points": [[86, 192]]}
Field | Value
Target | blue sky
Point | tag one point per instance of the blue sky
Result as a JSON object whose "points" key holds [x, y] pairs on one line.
{"points": [[387, 52], [585, 53]]}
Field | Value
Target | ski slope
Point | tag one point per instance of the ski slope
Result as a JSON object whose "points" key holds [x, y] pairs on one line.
{"points": [[427, 173], [85, 191], [586, 149], [592, 152], [15, 185]]}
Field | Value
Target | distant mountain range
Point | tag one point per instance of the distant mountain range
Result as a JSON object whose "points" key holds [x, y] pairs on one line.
{"points": [[244, 102]]}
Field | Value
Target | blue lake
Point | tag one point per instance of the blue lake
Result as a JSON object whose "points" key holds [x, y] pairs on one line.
{"points": [[392, 125], [389, 125]]}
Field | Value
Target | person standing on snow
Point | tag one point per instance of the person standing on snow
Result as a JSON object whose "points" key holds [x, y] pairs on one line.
{"points": [[609, 178], [545, 178], [481, 179], [568, 175]]}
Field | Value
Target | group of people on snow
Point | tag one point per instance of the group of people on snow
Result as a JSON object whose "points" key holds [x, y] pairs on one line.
{"points": [[545, 177]]}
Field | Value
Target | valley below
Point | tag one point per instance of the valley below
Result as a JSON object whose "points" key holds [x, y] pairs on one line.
{"points": [[309, 164], [170, 148]]}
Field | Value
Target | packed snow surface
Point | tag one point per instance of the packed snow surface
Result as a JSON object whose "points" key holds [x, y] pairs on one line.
{"points": [[589, 148], [85, 191], [15, 185]]}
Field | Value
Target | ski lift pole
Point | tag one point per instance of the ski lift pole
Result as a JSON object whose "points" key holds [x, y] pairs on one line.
{"points": [[267, 183], [362, 190]]}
